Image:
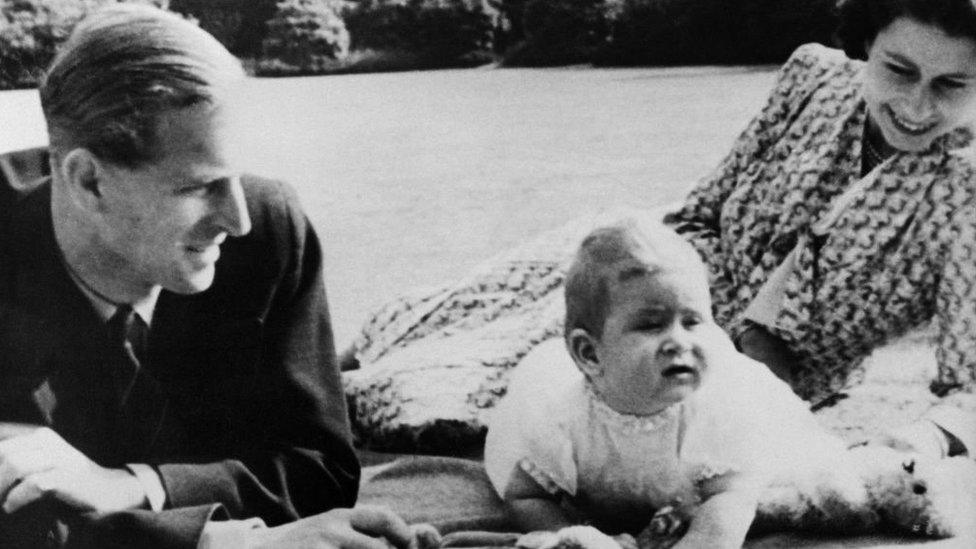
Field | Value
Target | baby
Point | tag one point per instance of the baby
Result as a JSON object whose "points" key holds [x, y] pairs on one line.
{"points": [[666, 414]]}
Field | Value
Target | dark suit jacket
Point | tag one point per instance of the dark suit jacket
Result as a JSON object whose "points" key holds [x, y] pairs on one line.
{"points": [[256, 420]]}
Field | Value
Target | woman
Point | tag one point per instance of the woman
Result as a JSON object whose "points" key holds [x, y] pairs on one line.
{"points": [[843, 217]]}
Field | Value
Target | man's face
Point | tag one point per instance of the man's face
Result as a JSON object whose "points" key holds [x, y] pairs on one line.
{"points": [[162, 223]]}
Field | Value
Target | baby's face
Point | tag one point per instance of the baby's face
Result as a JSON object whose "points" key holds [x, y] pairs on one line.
{"points": [[653, 351]]}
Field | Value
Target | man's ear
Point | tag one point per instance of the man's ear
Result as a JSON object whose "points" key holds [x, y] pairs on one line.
{"points": [[82, 170], [582, 347]]}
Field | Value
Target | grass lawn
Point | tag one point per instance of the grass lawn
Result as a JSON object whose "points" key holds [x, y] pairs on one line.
{"points": [[412, 178]]}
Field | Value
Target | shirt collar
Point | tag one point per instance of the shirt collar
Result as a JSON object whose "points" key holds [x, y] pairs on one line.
{"points": [[106, 308]]}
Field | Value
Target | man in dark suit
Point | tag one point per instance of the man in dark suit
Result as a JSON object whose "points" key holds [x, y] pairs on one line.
{"points": [[166, 355]]}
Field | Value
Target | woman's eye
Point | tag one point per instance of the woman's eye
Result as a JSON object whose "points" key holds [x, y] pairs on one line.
{"points": [[899, 70]]}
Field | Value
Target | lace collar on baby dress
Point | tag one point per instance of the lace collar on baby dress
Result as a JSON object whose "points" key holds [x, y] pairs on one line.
{"points": [[628, 422]]}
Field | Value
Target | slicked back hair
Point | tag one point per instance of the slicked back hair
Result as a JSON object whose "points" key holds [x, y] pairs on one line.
{"points": [[122, 68]]}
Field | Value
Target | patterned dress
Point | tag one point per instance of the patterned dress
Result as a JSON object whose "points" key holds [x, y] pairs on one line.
{"points": [[901, 251]]}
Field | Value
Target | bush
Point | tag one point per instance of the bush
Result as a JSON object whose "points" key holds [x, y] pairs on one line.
{"points": [[656, 32], [240, 25], [436, 33], [303, 36], [560, 32], [31, 31]]}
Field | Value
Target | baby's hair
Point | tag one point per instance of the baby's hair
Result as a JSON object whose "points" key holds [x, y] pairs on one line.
{"points": [[617, 252]]}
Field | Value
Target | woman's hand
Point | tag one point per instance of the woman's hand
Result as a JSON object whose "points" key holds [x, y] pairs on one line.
{"points": [[757, 343], [921, 437]]}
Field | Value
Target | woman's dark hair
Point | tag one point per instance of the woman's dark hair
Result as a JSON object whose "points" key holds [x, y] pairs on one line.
{"points": [[862, 20]]}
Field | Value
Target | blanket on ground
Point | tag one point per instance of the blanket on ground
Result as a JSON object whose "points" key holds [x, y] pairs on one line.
{"points": [[454, 495], [433, 363]]}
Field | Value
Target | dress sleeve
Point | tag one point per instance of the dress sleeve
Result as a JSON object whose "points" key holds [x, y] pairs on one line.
{"points": [[698, 220], [956, 321], [530, 435], [956, 308]]}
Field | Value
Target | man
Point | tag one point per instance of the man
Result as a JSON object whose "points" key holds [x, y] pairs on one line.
{"points": [[164, 336]]}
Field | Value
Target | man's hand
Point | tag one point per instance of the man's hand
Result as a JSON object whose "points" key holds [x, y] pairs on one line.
{"points": [[364, 527], [36, 463]]}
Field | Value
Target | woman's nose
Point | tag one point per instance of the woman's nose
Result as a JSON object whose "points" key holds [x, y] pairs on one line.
{"points": [[919, 105], [231, 208]]}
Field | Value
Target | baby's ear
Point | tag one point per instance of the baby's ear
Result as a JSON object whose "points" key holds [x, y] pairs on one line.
{"points": [[582, 347]]}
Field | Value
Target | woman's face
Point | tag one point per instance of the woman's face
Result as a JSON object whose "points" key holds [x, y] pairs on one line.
{"points": [[919, 83]]}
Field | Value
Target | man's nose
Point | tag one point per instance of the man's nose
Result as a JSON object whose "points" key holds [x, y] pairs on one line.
{"points": [[230, 208]]}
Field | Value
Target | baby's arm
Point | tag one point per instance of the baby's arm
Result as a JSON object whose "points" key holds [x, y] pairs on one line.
{"points": [[723, 519], [531, 506]]}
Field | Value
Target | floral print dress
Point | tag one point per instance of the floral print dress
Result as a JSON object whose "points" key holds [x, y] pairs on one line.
{"points": [[896, 252]]}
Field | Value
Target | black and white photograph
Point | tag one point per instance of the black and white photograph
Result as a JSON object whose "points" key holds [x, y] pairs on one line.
{"points": [[487, 274]]}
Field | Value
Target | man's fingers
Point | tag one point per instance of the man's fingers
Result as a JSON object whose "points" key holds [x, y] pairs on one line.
{"points": [[33, 488], [20, 457], [380, 521], [425, 536], [358, 540]]}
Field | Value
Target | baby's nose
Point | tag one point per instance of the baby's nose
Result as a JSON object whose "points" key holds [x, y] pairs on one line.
{"points": [[674, 346]]}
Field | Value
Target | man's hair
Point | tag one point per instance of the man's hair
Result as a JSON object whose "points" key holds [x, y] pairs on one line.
{"points": [[120, 70], [617, 252], [862, 20]]}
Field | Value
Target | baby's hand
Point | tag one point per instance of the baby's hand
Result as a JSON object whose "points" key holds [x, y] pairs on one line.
{"points": [[572, 537], [667, 526]]}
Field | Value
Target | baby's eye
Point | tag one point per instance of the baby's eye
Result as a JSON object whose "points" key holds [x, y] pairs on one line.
{"points": [[650, 326], [691, 321]]}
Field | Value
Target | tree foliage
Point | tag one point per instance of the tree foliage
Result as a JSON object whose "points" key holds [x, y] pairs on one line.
{"points": [[32, 30], [240, 25], [304, 36], [444, 32]]}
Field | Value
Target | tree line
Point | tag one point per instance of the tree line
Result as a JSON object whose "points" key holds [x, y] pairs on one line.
{"points": [[286, 37]]}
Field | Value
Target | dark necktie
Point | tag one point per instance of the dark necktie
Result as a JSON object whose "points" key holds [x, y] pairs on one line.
{"points": [[142, 406], [128, 335]]}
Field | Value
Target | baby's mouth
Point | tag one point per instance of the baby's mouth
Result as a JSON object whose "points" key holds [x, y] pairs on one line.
{"points": [[678, 370]]}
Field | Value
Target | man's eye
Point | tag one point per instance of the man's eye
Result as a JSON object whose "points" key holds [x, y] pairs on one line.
{"points": [[201, 190], [950, 84], [691, 321]]}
